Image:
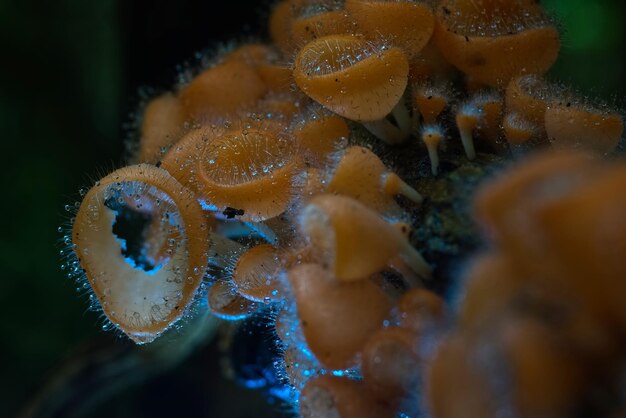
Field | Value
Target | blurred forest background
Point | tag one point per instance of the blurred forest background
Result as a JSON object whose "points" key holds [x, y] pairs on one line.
{"points": [[70, 77]]}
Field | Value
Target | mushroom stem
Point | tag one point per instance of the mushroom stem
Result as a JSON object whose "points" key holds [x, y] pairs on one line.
{"points": [[387, 131], [432, 136], [433, 155], [394, 185], [466, 120], [415, 261], [403, 118]]}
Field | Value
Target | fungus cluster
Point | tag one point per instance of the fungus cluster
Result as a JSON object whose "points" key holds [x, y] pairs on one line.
{"points": [[261, 184]]}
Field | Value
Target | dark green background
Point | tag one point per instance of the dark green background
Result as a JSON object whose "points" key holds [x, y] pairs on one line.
{"points": [[70, 75]]}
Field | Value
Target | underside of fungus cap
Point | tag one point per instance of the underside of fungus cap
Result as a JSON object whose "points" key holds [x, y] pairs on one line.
{"points": [[141, 299], [352, 77], [495, 40]]}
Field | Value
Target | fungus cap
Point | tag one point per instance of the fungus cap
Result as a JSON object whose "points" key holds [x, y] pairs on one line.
{"points": [[518, 130], [319, 137], [430, 101], [420, 308], [361, 175], [576, 127], [529, 97], [495, 40], [225, 302], [336, 317], [222, 91], [250, 169], [256, 274], [141, 303], [307, 28], [354, 240], [334, 397], [162, 126], [390, 364], [349, 76], [405, 24], [181, 159]]}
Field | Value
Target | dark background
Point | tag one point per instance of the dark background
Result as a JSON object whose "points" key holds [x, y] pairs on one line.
{"points": [[70, 76]]}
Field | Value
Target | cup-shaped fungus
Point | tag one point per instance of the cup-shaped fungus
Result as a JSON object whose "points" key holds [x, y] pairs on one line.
{"points": [[495, 40], [319, 20], [354, 240], [430, 65], [279, 25], [356, 80], [457, 383], [574, 126], [336, 317], [361, 175], [529, 96], [542, 179], [333, 396], [225, 302], [223, 90], [420, 309], [249, 169], [490, 286], [390, 364], [545, 373], [518, 130], [142, 301], [430, 100], [161, 126], [320, 136], [181, 160], [585, 237], [256, 274], [405, 24], [266, 61]]}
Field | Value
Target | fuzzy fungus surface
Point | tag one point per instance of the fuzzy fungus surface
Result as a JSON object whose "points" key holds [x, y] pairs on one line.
{"points": [[322, 183]]}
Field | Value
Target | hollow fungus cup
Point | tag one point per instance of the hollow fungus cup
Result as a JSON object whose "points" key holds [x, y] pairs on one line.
{"points": [[142, 300], [493, 41], [357, 80]]}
